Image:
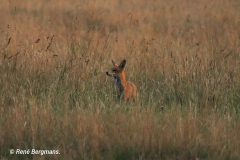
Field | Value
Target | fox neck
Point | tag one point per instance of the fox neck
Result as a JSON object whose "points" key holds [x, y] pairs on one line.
{"points": [[121, 81]]}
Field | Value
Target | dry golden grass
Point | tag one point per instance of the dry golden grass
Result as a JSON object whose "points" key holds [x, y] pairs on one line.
{"points": [[183, 56]]}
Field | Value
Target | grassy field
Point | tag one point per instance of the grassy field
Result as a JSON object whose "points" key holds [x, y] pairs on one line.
{"points": [[183, 56]]}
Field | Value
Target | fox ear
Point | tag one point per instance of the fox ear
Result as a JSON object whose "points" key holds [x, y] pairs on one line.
{"points": [[114, 64], [122, 64]]}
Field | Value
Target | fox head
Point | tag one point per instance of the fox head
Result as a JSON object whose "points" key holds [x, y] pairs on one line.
{"points": [[117, 69]]}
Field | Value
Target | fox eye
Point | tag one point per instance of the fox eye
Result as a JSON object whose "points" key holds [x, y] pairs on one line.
{"points": [[114, 70]]}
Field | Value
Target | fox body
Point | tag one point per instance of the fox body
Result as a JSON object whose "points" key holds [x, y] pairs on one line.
{"points": [[126, 89]]}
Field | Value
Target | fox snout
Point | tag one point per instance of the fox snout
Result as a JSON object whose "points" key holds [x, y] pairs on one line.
{"points": [[107, 73]]}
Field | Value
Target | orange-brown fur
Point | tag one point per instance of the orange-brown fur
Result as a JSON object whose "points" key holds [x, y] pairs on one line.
{"points": [[126, 89]]}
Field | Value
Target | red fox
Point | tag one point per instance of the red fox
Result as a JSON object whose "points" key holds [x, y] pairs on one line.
{"points": [[126, 89]]}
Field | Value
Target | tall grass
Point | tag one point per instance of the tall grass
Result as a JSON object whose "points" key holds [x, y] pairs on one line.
{"points": [[183, 57]]}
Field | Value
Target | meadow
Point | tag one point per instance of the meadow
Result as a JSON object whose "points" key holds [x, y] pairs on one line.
{"points": [[183, 56]]}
